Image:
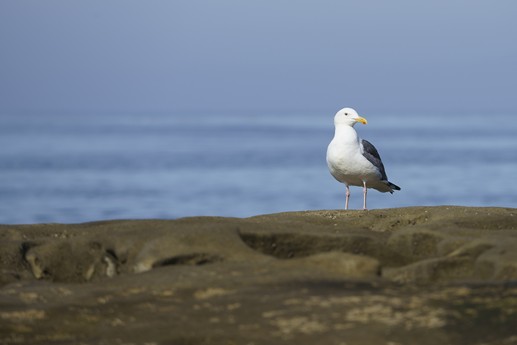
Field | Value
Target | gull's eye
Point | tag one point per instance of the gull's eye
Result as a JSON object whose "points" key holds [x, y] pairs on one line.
{"points": [[346, 114]]}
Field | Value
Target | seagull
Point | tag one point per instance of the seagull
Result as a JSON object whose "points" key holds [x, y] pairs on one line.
{"points": [[355, 161]]}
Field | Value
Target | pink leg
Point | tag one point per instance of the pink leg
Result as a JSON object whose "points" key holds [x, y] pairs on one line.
{"points": [[347, 197], [365, 191]]}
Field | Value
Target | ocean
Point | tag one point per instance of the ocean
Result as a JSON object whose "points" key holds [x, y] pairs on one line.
{"points": [[79, 167]]}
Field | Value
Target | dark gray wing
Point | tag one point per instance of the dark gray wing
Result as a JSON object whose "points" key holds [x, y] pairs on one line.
{"points": [[371, 153]]}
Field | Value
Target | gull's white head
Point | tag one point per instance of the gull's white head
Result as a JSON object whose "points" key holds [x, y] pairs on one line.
{"points": [[349, 117]]}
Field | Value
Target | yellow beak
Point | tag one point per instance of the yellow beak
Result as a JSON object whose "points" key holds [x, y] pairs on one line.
{"points": [[362, 120]]}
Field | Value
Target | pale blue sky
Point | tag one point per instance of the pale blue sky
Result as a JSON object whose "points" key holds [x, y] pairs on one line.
{"points": [[126, 55]]}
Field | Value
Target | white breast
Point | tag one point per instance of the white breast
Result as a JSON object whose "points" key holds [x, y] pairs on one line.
{"points": [[346, 161]]}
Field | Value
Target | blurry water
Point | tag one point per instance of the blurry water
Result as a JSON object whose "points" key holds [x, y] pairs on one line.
{"points": [[84, 167]]}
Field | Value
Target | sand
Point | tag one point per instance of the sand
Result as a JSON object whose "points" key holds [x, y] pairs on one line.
{"points": [[420, 275]]}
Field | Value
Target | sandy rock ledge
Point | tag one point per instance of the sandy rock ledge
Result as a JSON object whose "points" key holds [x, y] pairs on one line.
{"points": [[422, 275]]}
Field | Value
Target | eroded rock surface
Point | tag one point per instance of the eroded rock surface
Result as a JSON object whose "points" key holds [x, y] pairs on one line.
{"points": [[423, 275]]}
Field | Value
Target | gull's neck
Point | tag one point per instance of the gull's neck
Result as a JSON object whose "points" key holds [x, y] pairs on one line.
{"points": [[345, 133]]}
